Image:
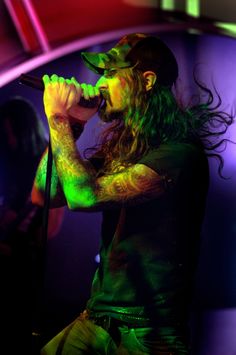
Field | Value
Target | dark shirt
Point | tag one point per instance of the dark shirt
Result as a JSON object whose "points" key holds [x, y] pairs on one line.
{"points": [[149, 251]]}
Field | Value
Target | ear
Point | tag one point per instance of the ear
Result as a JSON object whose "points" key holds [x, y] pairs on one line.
{"points": [[150, 79]]}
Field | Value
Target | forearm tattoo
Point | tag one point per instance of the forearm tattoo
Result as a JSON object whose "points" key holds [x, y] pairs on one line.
{"points": [[76, 180]]}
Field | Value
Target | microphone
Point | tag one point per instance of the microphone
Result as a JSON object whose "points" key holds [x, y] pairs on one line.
{"points": [[38, 84]]}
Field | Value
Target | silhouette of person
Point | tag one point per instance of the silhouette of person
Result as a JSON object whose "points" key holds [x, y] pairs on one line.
{"points": [[22, 141]]}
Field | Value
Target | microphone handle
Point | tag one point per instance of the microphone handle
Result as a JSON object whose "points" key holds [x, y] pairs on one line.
{"points": [[31, 81], [37, 83]]}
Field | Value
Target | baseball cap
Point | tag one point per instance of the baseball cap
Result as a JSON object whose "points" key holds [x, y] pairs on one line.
{"points": [[145, 52]]}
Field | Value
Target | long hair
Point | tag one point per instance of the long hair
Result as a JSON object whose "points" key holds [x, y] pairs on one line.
{"points": [[157, 117], [22, 142], [19, 118]]}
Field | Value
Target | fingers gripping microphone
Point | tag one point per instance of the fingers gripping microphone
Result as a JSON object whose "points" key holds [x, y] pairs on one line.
{"points": [[38, 84]]}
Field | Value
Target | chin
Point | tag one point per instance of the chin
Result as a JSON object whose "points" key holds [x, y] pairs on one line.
{"points": [[111, 114]]}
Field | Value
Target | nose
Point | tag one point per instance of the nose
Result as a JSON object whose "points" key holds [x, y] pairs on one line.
{"points": [[102, 84]]}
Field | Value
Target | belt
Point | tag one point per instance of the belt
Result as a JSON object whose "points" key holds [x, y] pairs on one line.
{"points": [[106, 321], [112, 325]]}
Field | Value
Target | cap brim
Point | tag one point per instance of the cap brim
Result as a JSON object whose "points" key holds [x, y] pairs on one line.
{"points": [[95, 61], [98, 62]]}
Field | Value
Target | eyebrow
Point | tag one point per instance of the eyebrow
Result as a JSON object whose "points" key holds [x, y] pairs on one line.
{"points": [[106, 71]]}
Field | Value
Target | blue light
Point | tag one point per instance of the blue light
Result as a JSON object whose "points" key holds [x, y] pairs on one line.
{"points": [[97, 258]]}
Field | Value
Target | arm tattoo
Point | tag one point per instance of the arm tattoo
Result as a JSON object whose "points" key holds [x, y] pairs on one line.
{"points": [[83, 191], [76, 180], [57, 197], [132, 186]]}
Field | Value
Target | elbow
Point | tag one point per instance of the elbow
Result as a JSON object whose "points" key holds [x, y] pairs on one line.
{"points": [[81, 205], [84, 199]]}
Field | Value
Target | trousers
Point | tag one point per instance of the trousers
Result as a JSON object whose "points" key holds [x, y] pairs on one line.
{"points": [[90, 337]]}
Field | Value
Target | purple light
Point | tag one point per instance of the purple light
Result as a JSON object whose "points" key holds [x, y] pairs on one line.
{"points": [[219, 332]]}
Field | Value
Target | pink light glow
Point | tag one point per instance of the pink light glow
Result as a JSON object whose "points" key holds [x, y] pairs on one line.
{"points": [[71, 47], [36, 25], [17, 24], [89, 41]]}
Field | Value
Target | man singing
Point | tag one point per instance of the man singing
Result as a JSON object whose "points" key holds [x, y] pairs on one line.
{"points": [[148, 175]]}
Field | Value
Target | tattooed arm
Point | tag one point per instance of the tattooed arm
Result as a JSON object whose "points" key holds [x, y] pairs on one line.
{"points": [[57, 198], [77, 117], [132, 186], [81, 189]]}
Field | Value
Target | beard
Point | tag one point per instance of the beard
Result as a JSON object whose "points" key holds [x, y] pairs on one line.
{"points": [[109, 116]]}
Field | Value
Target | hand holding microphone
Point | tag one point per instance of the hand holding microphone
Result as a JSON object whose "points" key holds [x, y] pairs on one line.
{"points": [[61, 96], [66, 96]]}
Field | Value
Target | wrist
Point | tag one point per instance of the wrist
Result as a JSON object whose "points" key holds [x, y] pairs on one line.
{"points": [[58, 121], [56, 111]]}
